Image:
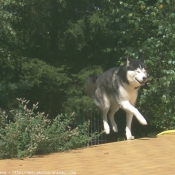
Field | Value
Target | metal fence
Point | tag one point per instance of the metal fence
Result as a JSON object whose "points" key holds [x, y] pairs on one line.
{"points": [[95, 125]]}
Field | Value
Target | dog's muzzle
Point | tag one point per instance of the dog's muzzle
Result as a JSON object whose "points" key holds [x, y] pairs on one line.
{"points": [[142, 82]]}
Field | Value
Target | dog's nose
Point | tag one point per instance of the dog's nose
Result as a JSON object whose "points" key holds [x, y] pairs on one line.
{"points": [[144, 78]]}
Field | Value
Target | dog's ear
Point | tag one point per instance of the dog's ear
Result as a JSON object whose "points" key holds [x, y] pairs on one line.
{"points": [[128, 61]]}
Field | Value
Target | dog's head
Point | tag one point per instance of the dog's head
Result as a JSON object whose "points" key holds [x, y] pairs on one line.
{"points": [[136, 72]]}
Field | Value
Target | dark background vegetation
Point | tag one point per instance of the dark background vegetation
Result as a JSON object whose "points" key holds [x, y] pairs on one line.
{"points": [[48, 48]]}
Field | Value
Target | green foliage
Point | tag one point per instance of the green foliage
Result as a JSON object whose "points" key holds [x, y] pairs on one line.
{"points": [[33, 133], [39, 73], [47, 48], [28, 77], [153, 38]]}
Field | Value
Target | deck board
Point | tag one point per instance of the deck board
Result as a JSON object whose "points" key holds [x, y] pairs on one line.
{"points": [[145, 156]]}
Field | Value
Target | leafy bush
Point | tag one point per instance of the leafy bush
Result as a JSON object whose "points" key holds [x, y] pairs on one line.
{"points": [[154, 38], [33, 133], [35, 51]]}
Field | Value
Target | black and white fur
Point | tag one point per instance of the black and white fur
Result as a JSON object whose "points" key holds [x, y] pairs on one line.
{"points": [[118, 88]]}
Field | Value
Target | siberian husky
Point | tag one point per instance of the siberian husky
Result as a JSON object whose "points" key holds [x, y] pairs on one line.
{"points": [[118, 88]]}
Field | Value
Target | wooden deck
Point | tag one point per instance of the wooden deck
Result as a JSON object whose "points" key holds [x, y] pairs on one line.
{"points": [[147, 156]]}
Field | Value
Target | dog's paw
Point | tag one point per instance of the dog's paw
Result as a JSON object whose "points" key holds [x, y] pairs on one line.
{"points": [[128, 134], [107, 131], [106, 128], [130, 137], [114, 128], [143, 122], [141, 119]]}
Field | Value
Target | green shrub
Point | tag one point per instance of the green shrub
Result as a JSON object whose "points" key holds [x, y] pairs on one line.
{"points": [[147, 33], [32, 133]]}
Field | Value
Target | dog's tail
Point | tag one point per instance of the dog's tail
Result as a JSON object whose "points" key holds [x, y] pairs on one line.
{"points": [[90, 85]]}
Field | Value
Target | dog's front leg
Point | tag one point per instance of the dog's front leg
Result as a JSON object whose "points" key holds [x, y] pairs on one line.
{"points": [[128, 107], [129, 117]]}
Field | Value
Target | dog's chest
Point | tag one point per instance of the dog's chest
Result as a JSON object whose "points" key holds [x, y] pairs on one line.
{"points": [[127, 93]]}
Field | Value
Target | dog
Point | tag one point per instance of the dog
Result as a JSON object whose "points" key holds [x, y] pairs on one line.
{"points": [[118, 88]]}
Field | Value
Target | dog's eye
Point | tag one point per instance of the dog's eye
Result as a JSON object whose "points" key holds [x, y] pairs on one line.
{"points": [[138, 71]]}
